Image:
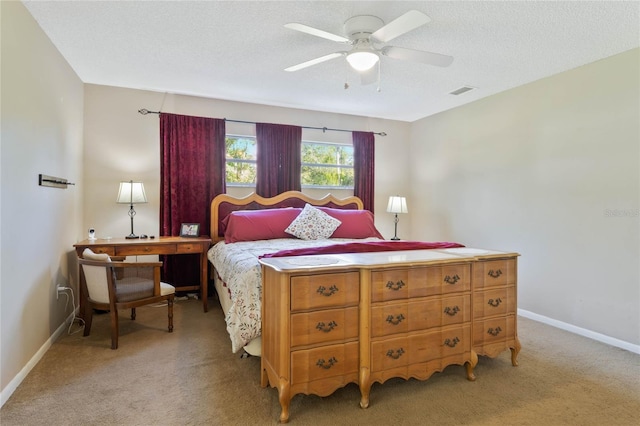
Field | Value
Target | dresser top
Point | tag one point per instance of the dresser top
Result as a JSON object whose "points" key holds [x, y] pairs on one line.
{"points": [[378, 259]]}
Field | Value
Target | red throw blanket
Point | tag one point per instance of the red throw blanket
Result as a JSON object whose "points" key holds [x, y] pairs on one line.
{"points": [[364, 247]]}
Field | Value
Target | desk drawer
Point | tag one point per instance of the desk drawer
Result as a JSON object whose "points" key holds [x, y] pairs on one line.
{"points": [[189, 248], [142, 249], [110, 250]]}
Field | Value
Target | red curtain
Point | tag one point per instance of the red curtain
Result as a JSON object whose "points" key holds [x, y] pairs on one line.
{"points": [[364, 167], [192, 173], [278, 158]]}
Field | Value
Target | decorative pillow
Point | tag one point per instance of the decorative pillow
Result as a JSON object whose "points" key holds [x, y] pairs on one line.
{"points": [[90, 255], [313, 224], [252, 225], [355, 223]]}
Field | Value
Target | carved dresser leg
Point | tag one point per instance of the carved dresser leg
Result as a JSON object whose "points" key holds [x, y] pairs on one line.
{"points": [[365, 387], [470, 365], [285, 399], [514, 352]]}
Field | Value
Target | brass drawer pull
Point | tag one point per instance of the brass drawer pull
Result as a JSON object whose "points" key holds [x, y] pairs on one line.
{"points": [[451, 311], [452, 342], [326, 327], [451, 280], [494, 331], [495, 303], [395, 320], [323, 290], [495, 274], [326, 364], [395, 286], [395, 354]]}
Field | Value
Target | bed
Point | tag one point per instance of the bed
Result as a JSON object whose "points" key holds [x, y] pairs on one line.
{"points": [[244, 229]]}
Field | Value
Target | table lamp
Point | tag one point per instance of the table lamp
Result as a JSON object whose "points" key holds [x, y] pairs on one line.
{"points": [[397, 205], [131, 193]]}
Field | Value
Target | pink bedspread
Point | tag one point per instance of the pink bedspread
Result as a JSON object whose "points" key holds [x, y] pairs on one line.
{"points": [[364, 247]]}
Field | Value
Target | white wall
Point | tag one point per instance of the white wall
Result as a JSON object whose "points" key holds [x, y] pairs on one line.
{"points": [[42, 101], [121, 144], [549, 170]]}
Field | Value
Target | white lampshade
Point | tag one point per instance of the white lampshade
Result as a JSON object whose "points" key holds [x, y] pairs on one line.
{"points": [[131, 193], [362, 60], [397, 205]]}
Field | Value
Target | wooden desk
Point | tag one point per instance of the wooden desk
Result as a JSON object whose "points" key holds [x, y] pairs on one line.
{"points": [[155, 246]]}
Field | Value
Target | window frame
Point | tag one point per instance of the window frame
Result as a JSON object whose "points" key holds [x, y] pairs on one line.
{"points": [[240, 160], [302, 163], [327, 165]]}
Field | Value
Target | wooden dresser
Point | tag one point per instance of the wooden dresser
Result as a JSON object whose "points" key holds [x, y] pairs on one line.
{"points": [[331, 320]]}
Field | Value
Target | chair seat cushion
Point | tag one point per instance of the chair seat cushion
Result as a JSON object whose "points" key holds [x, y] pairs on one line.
{"points": [[166, 289]]}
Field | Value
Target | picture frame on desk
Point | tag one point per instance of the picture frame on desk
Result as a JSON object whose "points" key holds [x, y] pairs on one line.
{"points": [[190, 230]]}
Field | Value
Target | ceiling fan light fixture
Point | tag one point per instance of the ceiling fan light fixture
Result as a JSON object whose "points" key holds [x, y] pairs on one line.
{"points": [[362, 60]]}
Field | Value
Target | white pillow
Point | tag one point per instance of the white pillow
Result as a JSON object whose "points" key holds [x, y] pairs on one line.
{"points": [[313, 224], [90, 255]]}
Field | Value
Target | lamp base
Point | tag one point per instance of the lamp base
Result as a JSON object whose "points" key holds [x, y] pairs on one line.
{"points": [[395, 239], [131, 237]]}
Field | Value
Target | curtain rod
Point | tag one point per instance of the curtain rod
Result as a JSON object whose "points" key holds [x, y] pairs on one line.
{"points": [[145, 111]]}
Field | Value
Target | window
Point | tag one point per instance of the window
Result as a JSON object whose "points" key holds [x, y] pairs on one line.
{"points": [[241, 160], [324, 165], [327, 165]]}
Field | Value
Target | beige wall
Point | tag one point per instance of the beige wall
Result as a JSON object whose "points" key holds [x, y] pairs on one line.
{"points": [[42, 102], [550, 170], [121, 144]]}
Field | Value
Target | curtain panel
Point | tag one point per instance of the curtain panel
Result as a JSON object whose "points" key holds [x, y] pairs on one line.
{"points": [[278, 158], [364, 167], [192, 173]]}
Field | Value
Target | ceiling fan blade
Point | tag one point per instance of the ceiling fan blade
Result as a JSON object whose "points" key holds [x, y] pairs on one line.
{"points": [[429, 58], [315, 61], [403, 24], [316, 32]]}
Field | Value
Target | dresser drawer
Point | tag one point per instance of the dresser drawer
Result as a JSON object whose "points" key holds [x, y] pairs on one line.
{"points": [[324, 362], [401, 317], [142, 249], [398, 284], [325, 290], [498, 301], [494, 330], [324, 326], [494, 273], [420, 347]]}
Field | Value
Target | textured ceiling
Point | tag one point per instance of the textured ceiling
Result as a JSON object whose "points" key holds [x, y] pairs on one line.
{"points": [[238, 50]]}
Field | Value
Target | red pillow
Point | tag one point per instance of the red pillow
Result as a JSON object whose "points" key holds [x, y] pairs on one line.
{"points": [[251, 225], [355, 223]]}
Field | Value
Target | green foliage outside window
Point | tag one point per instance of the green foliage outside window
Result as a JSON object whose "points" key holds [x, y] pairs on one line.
{"points": [[241, 160], [327, 165], [323, 164]]}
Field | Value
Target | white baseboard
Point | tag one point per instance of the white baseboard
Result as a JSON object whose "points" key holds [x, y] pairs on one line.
{"points": [[612, 341], [13, 384]]}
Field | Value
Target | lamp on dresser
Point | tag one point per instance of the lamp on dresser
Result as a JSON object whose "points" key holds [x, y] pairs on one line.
{"points": [[397, 205], [131, 193]]}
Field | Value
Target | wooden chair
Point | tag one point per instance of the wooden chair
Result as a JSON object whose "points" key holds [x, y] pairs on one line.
{"points": [[110, 286]]}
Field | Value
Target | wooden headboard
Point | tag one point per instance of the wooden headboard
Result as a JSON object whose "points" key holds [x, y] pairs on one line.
{"points": [[224, 204]]}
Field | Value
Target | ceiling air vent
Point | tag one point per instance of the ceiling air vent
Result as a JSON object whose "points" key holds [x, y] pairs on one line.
{"points": [[461, 90]]}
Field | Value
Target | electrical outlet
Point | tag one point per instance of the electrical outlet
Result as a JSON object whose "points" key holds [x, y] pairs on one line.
{"points": [[59, 288]]}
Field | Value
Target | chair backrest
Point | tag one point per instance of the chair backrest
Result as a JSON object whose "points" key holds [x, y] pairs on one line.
{"points": [[96, 276]]}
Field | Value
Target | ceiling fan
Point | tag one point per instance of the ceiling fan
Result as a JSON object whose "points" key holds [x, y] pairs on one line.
{"points": [[367, 35]]}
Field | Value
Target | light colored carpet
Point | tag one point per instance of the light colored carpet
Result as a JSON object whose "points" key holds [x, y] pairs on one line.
{"points": [[190, 377]]}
